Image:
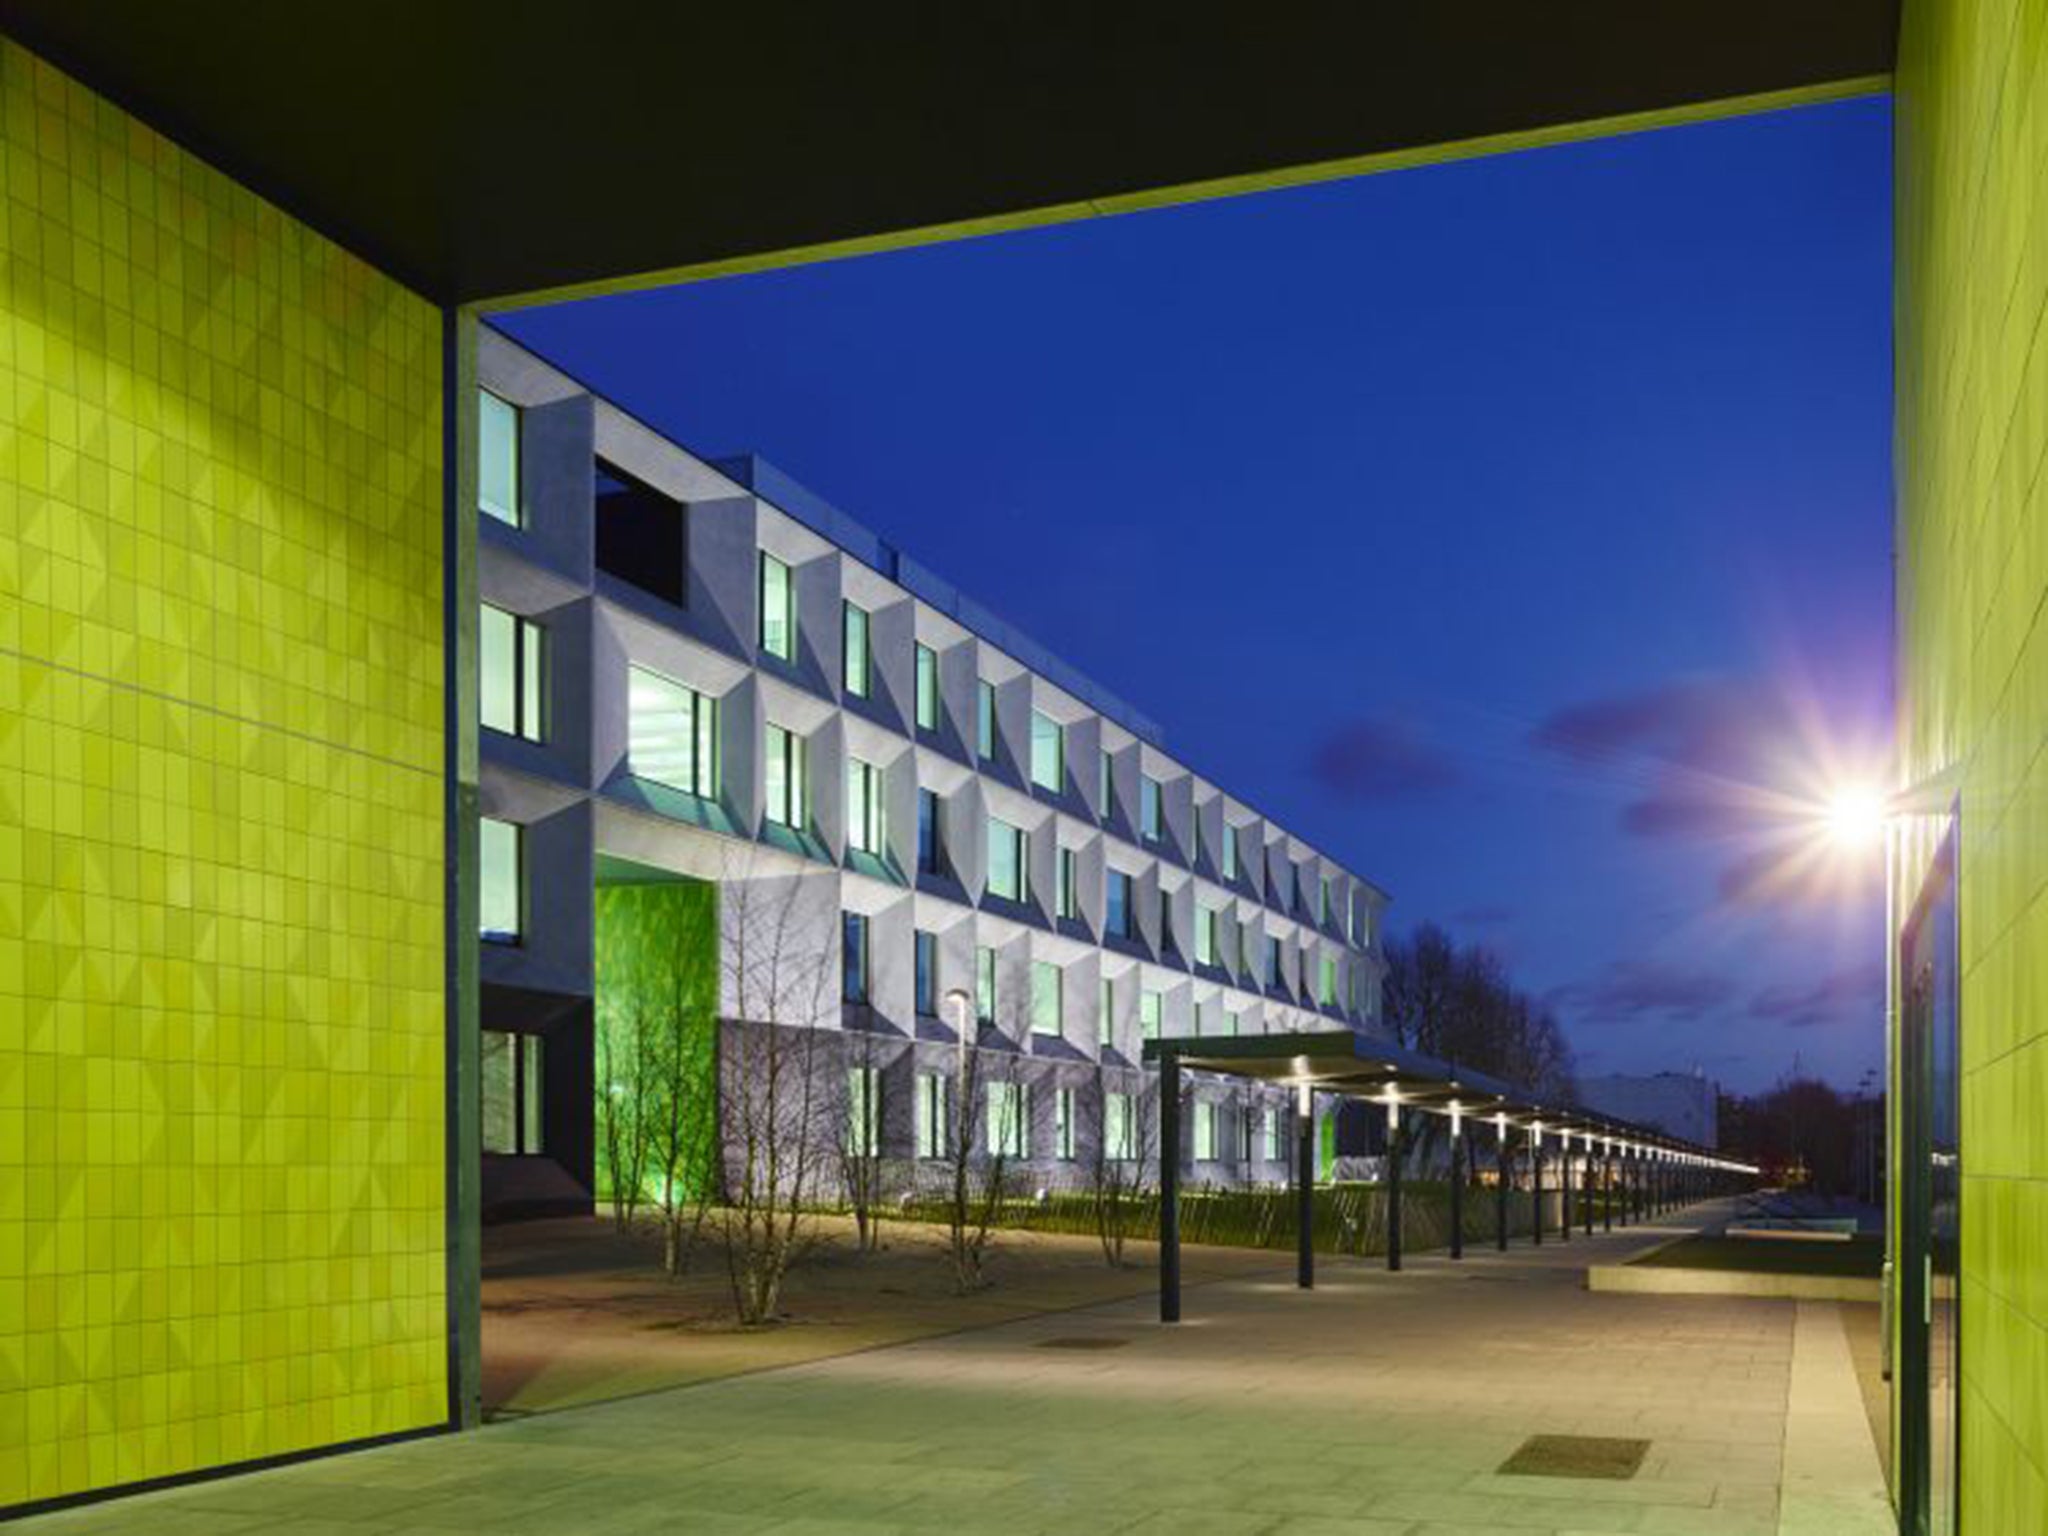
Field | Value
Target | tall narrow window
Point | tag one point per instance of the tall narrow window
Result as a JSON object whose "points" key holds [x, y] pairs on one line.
{"points": [[1048, 752], [1069, 901], [1274, 975], [985, 720], [864, 830], [512, 1080], [985, 984], [925, 950], [1117, 904], [1105, 1012], [927, 688], [1205, 1132], [931, 834], [1119, 1139], [932, 1111], [671, 733], [1105, 807], [778, 609], [1046, 1013], [1205, 935], [500, 880], [1323, 903], [1329, 981], [863, 1111], [782, 779], [1272, 1128], [1007, 877], [1063, 1124], [497, 441], [1149, 820], [853, 943], [1229, 851], [1151, 1013], [856, 651], [1166, 943], [1009, 1134], [512, 672]]}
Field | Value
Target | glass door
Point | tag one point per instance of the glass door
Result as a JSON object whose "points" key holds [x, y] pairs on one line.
{"points": [[1929, 1203]]}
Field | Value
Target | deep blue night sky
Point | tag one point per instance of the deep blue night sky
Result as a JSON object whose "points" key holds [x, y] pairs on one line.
{"points": [[1494, 525]]}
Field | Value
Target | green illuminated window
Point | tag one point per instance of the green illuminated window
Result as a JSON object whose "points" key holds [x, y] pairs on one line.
{"points": [[1205, 936], [512, 1081], [1323, 905], [927, 688], [1329, 987], [985, 984], [671, 733], [1007, 875], [1149, 824], [985, 719], [932, 1112], [1119, 1131], [1048, 752], [1008, 1113], [1105, 1020], [1046, 1015], [1205, 1132], [1105, 807], [497, 480], [1272, 1134], [1229, 851], [855, 651], [512, 673], [1151, 1010], [782, 779], [778, 609], [864, 809], [500, 880], [863, 1111]]}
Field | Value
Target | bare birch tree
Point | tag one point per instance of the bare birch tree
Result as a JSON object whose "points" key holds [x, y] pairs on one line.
{"points": [[859, 1143], [1123, 1153], [990, 1126]]}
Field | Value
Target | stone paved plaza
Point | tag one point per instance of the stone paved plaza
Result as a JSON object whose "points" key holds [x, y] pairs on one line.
{"points": [[1378, 1404]]}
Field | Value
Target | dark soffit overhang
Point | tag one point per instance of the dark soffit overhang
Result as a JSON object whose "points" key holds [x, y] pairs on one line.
{"points": [[487, 151]]}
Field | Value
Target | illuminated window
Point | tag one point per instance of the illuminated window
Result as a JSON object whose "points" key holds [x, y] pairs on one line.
{"points": [[1063, 1125], [1008, 1111], [1007, 875], [1119, 1131], [985, 984], [1148, 808], [1105, 1019], [778, 609], [1273, 1148], [782, 779], [1105, 805], [497, 480], [863, 1111], [1205, 1132], [1229, 851], [925, 949], [855, 651], [512, 672], [864, 830], [932, 1112], [1205, 936], [985, 719], [513, 1078], [500, 880], [671, 733], [1151, 1009], [1048, 752], [927, 688], [1329, 987], [1068, 902], [1045, 998]]}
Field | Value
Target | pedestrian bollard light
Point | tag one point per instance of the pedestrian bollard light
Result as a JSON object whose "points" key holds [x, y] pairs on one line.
{"points": [[1457, 1118]]}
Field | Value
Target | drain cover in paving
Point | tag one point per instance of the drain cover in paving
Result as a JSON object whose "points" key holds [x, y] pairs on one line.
{"points": [[1084, 1341], [1576, 1456]]}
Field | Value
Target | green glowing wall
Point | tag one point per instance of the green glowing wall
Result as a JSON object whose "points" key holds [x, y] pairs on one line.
{"points": [[1972, 275], [657, 1028], [221, 768]]}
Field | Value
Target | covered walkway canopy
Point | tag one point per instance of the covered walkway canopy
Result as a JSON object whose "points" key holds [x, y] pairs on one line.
{"points": [[1656, 1169]]}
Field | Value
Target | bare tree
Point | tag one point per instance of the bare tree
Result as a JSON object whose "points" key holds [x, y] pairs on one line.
{"points": [[1123, 1155], [989, 1129], [680, 1029], [623, 1069], [773, 1096], [859, 1143]]}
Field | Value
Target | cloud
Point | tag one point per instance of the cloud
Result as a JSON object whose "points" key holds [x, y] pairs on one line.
{"points": [[1801, 1005], [1377, 759], [1643, 991]]}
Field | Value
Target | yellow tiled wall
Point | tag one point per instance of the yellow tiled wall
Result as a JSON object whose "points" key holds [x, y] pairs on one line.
{"points": [[1972, 187], [221, 769]]}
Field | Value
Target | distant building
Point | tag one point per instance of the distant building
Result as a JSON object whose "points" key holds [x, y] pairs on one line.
{"points": [[1680, 1104]]}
